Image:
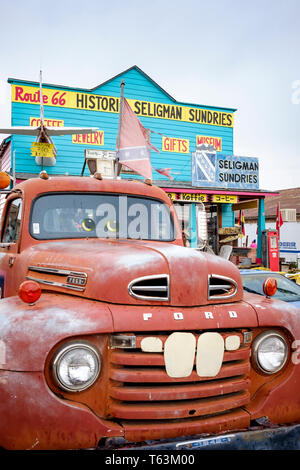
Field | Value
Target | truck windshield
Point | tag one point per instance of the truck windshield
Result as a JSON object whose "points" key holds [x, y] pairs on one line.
{"points": [[82, 215]]}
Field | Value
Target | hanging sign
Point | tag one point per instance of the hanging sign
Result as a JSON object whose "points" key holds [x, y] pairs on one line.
{"points": [[42, 149]]}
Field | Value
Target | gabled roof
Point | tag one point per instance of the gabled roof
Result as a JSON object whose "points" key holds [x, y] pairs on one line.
{"points": [[135, 67]]}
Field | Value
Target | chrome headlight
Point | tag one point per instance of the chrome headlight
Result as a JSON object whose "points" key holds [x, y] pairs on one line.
{"points": [[270, 351], [76, 366]]}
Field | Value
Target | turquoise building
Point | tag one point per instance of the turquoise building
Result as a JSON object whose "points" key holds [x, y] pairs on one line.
{"points": [[178, 130]]}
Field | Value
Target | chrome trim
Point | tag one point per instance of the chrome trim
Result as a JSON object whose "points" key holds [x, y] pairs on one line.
{"points": [[60, 272], [257, 342], [70, 283], [56, 284], [231, 284], [151, 288], [155, 288], [68, 347]]}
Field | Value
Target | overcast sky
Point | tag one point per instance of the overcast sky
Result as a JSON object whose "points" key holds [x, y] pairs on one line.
{"points": [[232, 53]]}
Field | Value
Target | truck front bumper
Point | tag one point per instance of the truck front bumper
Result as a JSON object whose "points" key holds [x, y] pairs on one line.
{"points": [[256, 438]]}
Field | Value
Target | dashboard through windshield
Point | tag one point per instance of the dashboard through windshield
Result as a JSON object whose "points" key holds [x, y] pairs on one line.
{"points": [[82, 215]]}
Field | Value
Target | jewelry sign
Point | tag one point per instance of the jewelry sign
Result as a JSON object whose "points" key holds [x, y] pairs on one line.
{"points": [[212, 169]]}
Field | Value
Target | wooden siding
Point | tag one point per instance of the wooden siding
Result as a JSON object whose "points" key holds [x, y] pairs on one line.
{"points": [[138, 86]]}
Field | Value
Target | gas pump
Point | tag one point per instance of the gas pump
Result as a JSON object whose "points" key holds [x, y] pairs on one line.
{"points": [[270, 249]]}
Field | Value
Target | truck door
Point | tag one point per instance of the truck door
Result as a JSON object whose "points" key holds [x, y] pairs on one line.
{"points": [[9, 247]]}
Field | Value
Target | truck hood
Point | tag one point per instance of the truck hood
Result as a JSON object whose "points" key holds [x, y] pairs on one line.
{"points": [[133, 272]]}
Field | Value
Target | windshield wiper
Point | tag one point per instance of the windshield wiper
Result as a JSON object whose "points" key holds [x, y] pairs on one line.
{"points": [[250, 290]]}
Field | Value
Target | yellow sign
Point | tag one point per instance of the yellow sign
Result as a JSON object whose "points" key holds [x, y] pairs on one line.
{"points": [[42, 149], [36, 122], [96, 138], [110, 104], [172, 144], [197, 197], [224, 198], [206, 139], [191, 197]]}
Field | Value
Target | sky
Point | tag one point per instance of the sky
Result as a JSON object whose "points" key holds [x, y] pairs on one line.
{"points": [[236, 54]]}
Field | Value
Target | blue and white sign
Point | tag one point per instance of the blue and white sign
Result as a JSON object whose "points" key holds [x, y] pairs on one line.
{"points": [[212, 169]]}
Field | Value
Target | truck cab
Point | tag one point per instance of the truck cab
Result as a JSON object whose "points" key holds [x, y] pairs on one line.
{"points": [[113, 334]]}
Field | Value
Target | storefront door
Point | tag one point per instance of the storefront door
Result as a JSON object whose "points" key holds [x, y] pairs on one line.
{"points": [[212, 226]]}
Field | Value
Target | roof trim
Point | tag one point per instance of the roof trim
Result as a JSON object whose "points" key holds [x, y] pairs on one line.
{"points": [[52, 85], [135, 67]]}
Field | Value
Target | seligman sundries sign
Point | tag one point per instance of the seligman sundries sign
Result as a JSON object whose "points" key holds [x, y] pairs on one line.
{"points": [[212, 169]]}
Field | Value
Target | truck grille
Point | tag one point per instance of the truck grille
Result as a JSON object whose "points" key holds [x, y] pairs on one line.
{"points": [[140, 388]]}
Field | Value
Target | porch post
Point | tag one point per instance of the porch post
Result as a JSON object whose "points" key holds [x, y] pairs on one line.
{"points": [[261, 225], [193, 225]]}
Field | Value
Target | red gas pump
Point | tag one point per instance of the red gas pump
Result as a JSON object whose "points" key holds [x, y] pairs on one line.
{"points": [[270, 249]]}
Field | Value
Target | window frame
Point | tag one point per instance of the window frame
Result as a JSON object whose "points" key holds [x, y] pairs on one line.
{"points": [[5, 222]]}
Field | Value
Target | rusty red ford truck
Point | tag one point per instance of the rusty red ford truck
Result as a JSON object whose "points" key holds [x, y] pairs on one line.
{"points": [[113, 334]]}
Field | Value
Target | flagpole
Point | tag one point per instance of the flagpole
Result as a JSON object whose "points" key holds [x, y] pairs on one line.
{"points": [[41, 112], [118, 166], [41, 101], [278, 224]]}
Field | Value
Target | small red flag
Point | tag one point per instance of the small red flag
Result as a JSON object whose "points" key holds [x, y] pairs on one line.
{"points": [[147, 137], [165, 172], [279, 220], [133, 150], [242, 221]]}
